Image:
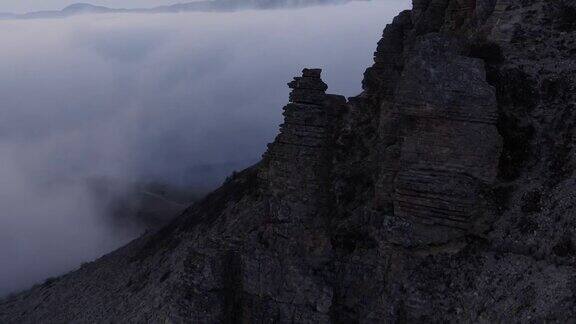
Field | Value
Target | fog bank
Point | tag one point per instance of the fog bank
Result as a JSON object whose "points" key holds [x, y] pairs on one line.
{"points": [[176, 98]]}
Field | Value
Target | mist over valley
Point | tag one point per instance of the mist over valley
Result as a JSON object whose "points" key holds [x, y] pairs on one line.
{"points": [[109, 115]]}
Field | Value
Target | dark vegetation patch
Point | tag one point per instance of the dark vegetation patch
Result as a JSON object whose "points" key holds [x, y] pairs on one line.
{"points": [[490, 52], [370, 81], [565, 247], [532, 202], [526, 224], [352, 187], [342, 314], [233, 290], [164, 240], [555, 89], [561, 146], [204, 212], [49, 282], [348, 240], [516, 150], [166, 276], [432, 18], [500, 198], [236, 187], [567, 17], [517, 97], [138, 281], [400, 313], [515, 90], [521, 36]]}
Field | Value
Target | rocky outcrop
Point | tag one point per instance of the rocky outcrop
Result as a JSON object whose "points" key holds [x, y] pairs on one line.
{"points": [[443, 193], [298, 164], [449, 142], [381, 78]]}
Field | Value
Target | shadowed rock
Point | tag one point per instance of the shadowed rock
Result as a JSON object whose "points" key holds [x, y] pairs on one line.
{"points": [[443, 193], [449, 141]]}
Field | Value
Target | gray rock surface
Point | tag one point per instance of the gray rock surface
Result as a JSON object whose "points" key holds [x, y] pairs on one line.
{"points": [[445, 192]]}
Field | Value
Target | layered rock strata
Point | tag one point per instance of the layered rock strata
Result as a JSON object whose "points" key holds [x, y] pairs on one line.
{"points": [[298, 163], [449, 142], [445, 192]]}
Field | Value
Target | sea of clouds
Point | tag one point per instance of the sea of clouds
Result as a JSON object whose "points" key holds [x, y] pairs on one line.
{"points": [[153, 97]]}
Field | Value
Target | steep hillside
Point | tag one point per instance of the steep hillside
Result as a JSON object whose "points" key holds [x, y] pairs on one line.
{"points": [[443, 193]]}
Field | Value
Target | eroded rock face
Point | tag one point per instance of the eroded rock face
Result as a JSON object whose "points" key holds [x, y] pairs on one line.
{"points": [[445, 192], [381, 78], [450, 146], [297, 168]]}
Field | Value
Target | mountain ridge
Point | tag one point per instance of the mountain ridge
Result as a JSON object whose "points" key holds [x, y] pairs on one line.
{"points": [[444, 192], [197, 6]]}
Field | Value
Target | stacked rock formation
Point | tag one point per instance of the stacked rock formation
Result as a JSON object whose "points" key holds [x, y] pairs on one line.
{"points": [[298, 163]]}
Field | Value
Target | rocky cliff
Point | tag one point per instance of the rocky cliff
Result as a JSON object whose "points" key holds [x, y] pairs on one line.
{"points": [[445, 192]]}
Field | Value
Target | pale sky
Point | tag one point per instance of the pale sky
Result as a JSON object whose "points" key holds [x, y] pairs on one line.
{"points": [[19, 6]]}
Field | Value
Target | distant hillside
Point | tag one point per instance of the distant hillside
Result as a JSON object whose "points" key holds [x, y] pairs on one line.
{"points": [[142, 205], [149, 205], [198, 6]]}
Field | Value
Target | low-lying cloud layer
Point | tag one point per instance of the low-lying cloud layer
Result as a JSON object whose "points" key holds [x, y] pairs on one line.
{"points": [[21, 6], [148, 97]]}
